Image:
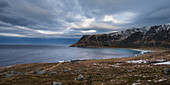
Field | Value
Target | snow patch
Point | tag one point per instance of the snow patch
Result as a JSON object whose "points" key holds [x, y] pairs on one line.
{"points": [[136, 84], [163, 63], [61, 61], [160, 80], [137, 61]]}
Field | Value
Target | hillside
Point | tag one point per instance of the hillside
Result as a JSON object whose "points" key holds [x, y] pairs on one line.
{"points": [[153, 36]]}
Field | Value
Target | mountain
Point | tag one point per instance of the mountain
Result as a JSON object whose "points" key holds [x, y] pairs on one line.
{"points": [[153, 36]]}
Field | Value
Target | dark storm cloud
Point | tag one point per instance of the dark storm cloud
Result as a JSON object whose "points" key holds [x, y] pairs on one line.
{"points": [[3, 4], [73, 18]]}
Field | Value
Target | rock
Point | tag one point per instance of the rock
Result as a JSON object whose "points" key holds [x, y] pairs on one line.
{"points": [[72, 73], [161, 80], [168, 77], [114, 66], [9, 75], [32, 70], [99, 70], [136, 84], [57, 83], [80, 77], [94, 64], [52, 73], [76, 71], [1, 74], [166, 70], [129, 70], [39, 72], [13, 72], [65, 71], [88, 76], [75, 61]]}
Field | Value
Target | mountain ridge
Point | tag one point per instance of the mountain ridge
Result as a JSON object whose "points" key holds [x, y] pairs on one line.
{"points": [[153, 36]]}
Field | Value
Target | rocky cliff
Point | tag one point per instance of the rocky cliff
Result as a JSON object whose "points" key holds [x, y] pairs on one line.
{"points": [[154, 36]]}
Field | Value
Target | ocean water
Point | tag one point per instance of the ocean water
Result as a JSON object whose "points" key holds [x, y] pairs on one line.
{"points": [[21, 54]]}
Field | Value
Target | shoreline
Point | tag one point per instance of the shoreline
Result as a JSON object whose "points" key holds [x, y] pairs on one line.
{"points": [[142, 51], [149, 68]]}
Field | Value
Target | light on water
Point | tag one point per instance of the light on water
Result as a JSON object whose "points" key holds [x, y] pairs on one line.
{"points": [[20, 54]]}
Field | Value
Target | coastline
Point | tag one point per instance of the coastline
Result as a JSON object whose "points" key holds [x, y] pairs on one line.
{"points": [[94, 70], [141, 50]]}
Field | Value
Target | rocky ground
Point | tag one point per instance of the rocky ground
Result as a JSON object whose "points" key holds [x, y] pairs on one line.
{"points": [[148, 69]]}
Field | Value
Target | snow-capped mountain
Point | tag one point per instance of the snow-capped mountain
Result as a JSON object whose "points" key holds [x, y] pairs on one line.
{"points": [[153, 36]]}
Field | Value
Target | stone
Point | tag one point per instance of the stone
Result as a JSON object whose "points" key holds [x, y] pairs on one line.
{"points": [[75, 61], [88, 76], [32, 70], [39, 72], [9, 75], [65, 71], [76, 71], [129, 70], [13, 72], [168, 77], [99, 70], [72, 73], [94, 64], [136, 84], [80, 77], [1, 74], [57, 83], [52, 73], [166, 70]]}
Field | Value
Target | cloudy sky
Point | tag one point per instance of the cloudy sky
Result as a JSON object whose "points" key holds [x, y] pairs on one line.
{"points": [[74, 18]]}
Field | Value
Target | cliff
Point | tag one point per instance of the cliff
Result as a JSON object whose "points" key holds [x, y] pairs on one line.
{"points": [[154, 36]]}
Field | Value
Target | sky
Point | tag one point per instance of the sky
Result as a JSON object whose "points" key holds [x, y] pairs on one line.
{"points": [[74, 18]]}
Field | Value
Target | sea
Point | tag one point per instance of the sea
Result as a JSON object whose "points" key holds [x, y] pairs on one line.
{"points": [[17, 53], [22, 54]]}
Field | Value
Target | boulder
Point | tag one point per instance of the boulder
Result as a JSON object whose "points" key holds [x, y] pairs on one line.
{"points": [[130, 71], [39, 72], [52, 73], [80, 77], [57, 83], [166, 70], [9, 75], [65, 71]]}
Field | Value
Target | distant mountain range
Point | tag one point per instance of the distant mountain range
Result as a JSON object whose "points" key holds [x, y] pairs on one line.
{"points": [[20, 40], [153, 36]]}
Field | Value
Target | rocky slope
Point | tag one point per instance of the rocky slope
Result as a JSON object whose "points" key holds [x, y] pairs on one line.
{"points": [[154, 36]]}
